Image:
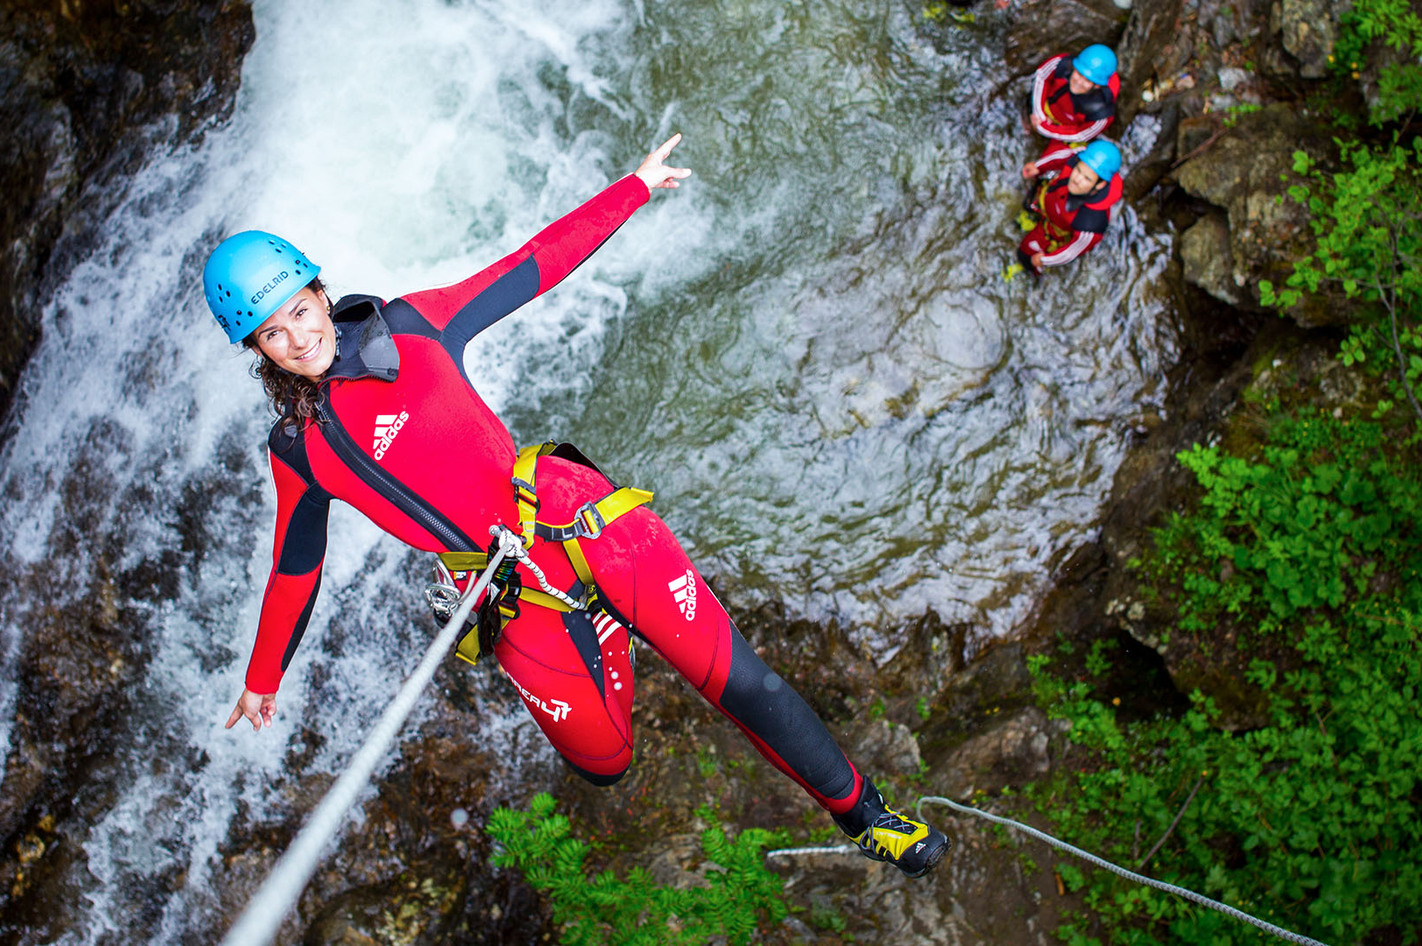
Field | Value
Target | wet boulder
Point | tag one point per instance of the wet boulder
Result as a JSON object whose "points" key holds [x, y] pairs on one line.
{"points": [[1208, 258], [1246, 173], [1045, 28], [1307, 30], [1011, 752]]}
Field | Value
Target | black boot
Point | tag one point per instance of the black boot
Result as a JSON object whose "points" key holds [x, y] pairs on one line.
{"points": [[1026, 260]]}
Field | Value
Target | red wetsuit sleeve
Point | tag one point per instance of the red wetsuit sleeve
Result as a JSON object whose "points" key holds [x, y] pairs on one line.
{"points": [[1055, 157], [1081, 242], [1064, 131], [537, 266], [297, 556], [1040, 80]]}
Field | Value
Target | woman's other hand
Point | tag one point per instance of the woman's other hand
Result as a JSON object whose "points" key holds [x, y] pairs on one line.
{"points": [[259, 708], [1029, 170], [654, 171]]}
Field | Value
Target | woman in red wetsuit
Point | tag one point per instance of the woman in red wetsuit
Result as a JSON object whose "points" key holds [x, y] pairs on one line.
{"points": [[377, 411]]}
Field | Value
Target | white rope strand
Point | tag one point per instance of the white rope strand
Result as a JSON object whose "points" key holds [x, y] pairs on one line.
{"points": [[1099, 862], [262, 918], [511, 543], [796, 851], [1224, 908]]}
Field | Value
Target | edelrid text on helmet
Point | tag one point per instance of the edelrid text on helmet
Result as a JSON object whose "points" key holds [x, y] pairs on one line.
{"points": [[249, 276], [1102, 157], [1096, 63]]}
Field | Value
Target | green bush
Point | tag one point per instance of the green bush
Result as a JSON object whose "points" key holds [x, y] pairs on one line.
{"points": [[1394, 24], [1367, 215], [1311, 550], [636, 911], [1367, 221]]}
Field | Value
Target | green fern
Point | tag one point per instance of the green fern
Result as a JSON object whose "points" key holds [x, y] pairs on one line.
{"points": [[599, 909]]}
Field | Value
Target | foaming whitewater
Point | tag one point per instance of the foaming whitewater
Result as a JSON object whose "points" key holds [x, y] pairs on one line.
{"points": [[810, 351]]}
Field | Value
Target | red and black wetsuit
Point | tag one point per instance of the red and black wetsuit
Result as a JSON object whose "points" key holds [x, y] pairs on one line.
{"points": [[1068, 225], [404, 437], [1064, 115]]}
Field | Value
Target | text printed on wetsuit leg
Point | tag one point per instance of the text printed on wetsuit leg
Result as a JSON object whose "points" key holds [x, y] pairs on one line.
{"points": [[683, 591], [559, 710]]}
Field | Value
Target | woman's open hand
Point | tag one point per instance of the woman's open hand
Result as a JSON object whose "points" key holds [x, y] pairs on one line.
{"points": [[259, 708], [654, 171]]}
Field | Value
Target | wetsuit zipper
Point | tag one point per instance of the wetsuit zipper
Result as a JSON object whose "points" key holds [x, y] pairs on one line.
{"points": [[376, 477]]}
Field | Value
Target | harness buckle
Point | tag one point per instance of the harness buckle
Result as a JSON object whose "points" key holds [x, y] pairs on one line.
{"points": [[588, 522], [524, 491]]}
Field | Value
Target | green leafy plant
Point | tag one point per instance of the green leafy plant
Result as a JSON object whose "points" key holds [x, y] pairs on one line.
{"points": [[1313, 546], [1395, 25], [706, 762], [1366, 216], [1233, 112], [1367, 220], [595, 909]]}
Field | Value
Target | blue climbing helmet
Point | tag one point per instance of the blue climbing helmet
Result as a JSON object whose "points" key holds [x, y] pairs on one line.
{"points": [[249, 276], [1096, 63], [1102, 157]]}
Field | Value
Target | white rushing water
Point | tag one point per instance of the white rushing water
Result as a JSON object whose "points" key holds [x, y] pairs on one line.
{"points": [[810, 351]]}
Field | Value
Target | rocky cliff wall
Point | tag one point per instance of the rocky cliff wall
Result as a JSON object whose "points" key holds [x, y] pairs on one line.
{"points": [[87, 89]]}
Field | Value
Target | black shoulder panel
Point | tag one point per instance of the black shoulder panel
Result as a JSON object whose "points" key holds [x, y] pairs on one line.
{"points": [[1097, 104], [303, 548], [286, 442], [304, 545], [1091, 220], [501, 297], [405, 319]]}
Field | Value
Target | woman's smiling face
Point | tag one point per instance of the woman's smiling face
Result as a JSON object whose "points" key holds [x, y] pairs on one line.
{"points": [[299, 336]]}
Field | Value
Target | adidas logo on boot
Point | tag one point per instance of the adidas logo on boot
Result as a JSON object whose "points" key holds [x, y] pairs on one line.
{"points": [[911, 846]]}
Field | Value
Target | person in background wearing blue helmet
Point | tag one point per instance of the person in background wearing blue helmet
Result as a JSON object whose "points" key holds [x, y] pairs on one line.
{"points": [[1073, 205], [1074, 99]]}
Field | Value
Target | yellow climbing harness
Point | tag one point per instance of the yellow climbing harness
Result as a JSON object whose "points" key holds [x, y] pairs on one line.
{"points": [[588, 522]]}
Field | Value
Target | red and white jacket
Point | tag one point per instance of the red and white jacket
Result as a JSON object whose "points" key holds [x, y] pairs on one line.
{"points": [[1070, 225], [1065, 116]]}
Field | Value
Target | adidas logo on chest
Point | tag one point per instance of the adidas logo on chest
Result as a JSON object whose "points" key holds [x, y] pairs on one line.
{"points": [[387, 428]]}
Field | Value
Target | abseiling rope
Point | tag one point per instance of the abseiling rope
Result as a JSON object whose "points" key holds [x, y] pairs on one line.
{"points": [[1224, 908], [1204, 901], [279, 892]]}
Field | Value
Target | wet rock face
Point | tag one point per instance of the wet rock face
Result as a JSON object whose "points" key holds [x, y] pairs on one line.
{"points": [[1308, 29], [1245, 173], [86, 89], [1048, 27]]}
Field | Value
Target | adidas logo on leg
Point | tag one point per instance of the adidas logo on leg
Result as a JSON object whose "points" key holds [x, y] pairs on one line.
{"points": [[683, 591]]}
